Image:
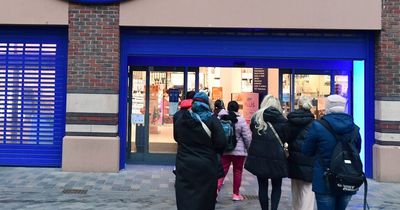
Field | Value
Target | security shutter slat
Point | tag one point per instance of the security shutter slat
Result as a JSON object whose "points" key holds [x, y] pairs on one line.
{"points": [[32, 96]]}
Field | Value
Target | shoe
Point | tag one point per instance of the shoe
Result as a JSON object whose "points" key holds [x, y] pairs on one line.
{"points": [[237, 197]]}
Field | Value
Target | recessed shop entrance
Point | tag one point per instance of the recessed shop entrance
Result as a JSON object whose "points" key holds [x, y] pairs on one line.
{"points": [[155, 92], [234, 64]]}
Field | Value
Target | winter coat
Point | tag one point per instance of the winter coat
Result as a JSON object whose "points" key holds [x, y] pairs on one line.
{"points": [[266, 158], [243, 135], [320, 143], [196, 161], [300, 166]]}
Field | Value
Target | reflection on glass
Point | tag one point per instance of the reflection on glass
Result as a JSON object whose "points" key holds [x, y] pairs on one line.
{"points": [[315, 86], [191, 84], [166, 89], [285, 100], [138, 104], [342, 87]]}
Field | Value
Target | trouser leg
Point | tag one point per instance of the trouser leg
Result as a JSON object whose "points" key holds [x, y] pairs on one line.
{"points": [[263, 192], [276, 193], [238, 162]]}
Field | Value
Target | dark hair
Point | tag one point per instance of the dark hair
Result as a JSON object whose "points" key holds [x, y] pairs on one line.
{"points": [[190, 95], [233, 106], [219, 104]]}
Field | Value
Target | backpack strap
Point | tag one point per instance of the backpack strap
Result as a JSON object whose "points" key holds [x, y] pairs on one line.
{"points": [[366, 206], [206, 129], [324, 123], [337, 137]]}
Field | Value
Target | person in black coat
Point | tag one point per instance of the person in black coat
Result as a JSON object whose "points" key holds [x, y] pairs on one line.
{"points": [[266, 158], [300, 166], [196, 159]]}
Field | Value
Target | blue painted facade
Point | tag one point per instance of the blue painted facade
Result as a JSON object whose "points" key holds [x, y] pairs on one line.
{"points": [[300, 49], [310, 50]]}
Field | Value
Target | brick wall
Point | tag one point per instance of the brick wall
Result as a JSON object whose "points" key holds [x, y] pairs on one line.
{"points": [[386, 152], [387, 75], [93, 70], [93, 51]]}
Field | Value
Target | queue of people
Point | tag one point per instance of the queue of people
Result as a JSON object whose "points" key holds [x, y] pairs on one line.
{"points": [[272, 147]]}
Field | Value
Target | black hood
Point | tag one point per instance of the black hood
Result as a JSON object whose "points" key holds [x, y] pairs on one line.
{"points": [[272, 115], [300, 117]]}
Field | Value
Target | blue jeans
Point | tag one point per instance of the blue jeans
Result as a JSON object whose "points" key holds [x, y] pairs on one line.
{"points": [[331, 202]]}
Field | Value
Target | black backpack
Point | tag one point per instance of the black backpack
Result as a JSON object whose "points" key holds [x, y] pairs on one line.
{"points": [[229, 130], [345, 173]]}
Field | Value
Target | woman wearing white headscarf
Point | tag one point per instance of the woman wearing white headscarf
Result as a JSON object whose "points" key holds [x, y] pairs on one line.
{"points": [[300, 166]]}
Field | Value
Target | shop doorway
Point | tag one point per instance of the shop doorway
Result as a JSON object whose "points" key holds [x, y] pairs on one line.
{"points": [[314, 84], [256, 48], [154, 94]]}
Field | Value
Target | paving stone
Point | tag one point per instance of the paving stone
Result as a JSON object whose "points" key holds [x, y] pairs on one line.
{"points": [[142, 187]]}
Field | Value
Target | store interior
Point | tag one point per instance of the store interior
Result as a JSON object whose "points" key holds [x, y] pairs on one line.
{"points": [[247, 86]]}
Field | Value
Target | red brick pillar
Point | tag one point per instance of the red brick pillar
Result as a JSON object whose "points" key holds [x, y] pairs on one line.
{"points": [[387, 95], [93, 87]]}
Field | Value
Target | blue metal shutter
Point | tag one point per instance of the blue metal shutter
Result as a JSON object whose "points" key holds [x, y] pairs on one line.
{"points": [[32, 97]]}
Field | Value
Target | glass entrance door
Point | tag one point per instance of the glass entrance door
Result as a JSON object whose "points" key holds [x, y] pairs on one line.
{"points": [[317, 86], [166, 89], [154, 95], [137, 112]]}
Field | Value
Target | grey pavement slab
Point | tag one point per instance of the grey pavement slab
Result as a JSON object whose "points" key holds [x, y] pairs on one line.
{"points": [[142, 187]]}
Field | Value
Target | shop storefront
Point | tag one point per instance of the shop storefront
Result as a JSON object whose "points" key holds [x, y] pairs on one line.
{"points": [[92, 85], [241, 65]]}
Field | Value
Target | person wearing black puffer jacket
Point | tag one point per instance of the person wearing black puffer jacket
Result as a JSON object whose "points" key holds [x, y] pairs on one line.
{"points": [[196, 159], [266, 158], [300, 166]]}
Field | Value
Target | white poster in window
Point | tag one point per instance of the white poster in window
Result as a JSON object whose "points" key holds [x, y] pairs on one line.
{"points": [[137, 119]]}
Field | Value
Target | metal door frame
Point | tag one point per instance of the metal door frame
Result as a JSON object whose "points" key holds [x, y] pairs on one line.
{"points": [[144, 155], [331, 73], [258, 48]]}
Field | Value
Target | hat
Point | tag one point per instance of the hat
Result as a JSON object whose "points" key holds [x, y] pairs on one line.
{"points": [[335, 103], [201, 97]]}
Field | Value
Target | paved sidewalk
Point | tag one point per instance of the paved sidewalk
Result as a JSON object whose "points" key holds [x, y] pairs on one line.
{"points": [[140, 187]]}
